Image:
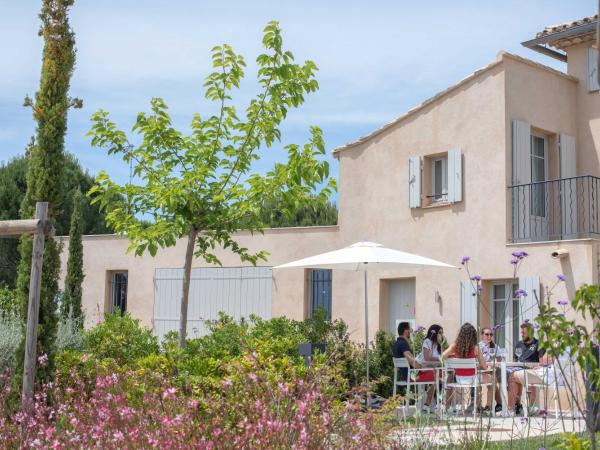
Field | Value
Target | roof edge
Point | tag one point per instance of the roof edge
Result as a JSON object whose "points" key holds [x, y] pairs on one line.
{"points": [[499, 60]]}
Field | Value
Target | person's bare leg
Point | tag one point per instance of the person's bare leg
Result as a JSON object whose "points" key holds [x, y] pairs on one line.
{"points": [[514, 391]]}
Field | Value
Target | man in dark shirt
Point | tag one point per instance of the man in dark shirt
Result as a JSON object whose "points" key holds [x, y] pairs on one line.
{"points": [[402, 348], [527, 350]]}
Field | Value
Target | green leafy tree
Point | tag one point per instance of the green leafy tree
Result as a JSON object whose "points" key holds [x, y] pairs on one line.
{"points": [[45, 171], [201, 185], [277, 214], [71, 301], [13, 186]]}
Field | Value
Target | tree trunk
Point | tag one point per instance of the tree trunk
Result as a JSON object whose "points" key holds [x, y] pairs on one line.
{"points": [[185, 292]]}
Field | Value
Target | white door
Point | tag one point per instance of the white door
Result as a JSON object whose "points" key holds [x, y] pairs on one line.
{"points": [[539, 191], [235, 291], [401, 297], [505, 316]]}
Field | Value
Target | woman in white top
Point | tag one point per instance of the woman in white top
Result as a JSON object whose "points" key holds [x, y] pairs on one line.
{"points": [[431, 351]]}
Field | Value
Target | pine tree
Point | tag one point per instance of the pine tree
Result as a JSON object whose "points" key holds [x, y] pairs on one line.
{"points": [[45, 171], [72, 298]]}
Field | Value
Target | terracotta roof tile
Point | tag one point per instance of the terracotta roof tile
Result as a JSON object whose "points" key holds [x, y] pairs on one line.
{"points": [[565, 26]]}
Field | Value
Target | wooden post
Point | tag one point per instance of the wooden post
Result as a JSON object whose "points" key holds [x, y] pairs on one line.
{"points": [[33, 310]]}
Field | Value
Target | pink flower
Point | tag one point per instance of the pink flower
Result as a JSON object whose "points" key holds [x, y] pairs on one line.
{"points": [[42, 360]]}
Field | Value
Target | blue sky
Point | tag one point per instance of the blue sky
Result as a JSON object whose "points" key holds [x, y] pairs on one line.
{"points": [[376, 59]]}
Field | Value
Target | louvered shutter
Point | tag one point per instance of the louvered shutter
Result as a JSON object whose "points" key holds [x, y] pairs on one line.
{"points": [[468, 303], [592, 69], [454, 176], [414, 182], [529, 307], [521, 175], [568, 186]]}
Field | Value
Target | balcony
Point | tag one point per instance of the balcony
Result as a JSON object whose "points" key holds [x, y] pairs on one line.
{"points": [[554, 210]]}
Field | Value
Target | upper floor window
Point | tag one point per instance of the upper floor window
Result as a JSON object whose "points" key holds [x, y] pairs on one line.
{"points": [[445, 172], [439, 179]]}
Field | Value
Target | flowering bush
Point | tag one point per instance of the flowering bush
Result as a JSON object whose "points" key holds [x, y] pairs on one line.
{"points": [[253, 409]]}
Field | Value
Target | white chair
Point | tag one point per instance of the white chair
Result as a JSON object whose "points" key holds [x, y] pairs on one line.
{"points": [[553, 381], [402, 363], [475, 382]]}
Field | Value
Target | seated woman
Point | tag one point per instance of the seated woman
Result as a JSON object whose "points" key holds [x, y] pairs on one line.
{"points": [[431, 351], [466, 347], [487, 346]]}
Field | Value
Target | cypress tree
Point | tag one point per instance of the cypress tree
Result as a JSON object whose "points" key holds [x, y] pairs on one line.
{"points": [[45, 171], [72, 298]]}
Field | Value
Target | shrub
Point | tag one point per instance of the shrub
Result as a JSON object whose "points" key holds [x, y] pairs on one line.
{"points": [[8, 301], [253, 409], [120, 338], [11, 333], [69, 334]]}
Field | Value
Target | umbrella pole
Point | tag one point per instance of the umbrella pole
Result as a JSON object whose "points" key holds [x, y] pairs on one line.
{"points": [[367, 337]]}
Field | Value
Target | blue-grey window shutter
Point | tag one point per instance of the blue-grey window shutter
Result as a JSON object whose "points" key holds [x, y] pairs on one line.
{"points": [[592, 69], [468, 303], [454, 176], [529, 305], [414, 182]]}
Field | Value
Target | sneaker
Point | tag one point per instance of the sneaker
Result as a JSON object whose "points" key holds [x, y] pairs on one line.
{"points": [[498, 409]]}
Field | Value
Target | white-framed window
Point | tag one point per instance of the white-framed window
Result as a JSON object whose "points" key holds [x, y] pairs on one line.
{"points": [[439, 179], [435, 178], [505, 315]]}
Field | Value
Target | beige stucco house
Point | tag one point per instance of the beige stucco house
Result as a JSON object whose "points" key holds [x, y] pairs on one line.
{"points": [[507, 159]]}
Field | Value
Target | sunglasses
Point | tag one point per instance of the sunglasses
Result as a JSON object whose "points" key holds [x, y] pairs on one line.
{"points": [[488, 334]]}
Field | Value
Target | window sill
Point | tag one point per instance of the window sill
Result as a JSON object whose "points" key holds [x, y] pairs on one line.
{"points": [[438, 205]]}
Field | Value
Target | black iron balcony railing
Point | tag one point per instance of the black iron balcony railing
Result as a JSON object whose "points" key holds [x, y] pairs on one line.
{"points": [[568, 208]]}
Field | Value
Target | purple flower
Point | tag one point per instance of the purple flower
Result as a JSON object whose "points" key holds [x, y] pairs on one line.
{"points": [[520, 293], [476, 278], [42, 359], [465, 259], [536, 326], [520, 254], [420, 328], [526, 321], [514, 261], [563, 302], [561, 277], [570, 331], [524, 420]]}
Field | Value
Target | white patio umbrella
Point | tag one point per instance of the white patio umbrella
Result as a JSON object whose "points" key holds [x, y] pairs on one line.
{"points": [[364, 256]]}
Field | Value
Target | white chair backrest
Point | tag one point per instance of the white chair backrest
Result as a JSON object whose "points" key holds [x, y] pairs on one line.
{"points": [[401, 363], [461, 363]]}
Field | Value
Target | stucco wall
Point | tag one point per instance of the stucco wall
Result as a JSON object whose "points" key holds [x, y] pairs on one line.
{"points": [[107, 253], [587, 114]]}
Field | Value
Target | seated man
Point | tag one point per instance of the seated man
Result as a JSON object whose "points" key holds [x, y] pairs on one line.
{"points": [[402, 349], [548, 373], [527, 350]]}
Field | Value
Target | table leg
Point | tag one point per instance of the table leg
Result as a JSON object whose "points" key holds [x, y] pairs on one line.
{"points": [[503, 388]]}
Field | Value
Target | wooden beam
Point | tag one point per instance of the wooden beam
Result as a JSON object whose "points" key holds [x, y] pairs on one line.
{"points": [[33, 310], [19, 227], [549, 52]]}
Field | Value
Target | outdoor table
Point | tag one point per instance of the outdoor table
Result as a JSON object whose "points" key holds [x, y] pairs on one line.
{"points": [[504, 379]]}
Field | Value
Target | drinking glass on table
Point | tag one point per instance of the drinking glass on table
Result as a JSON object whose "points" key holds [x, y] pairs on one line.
{"points": [[519, 353]]}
